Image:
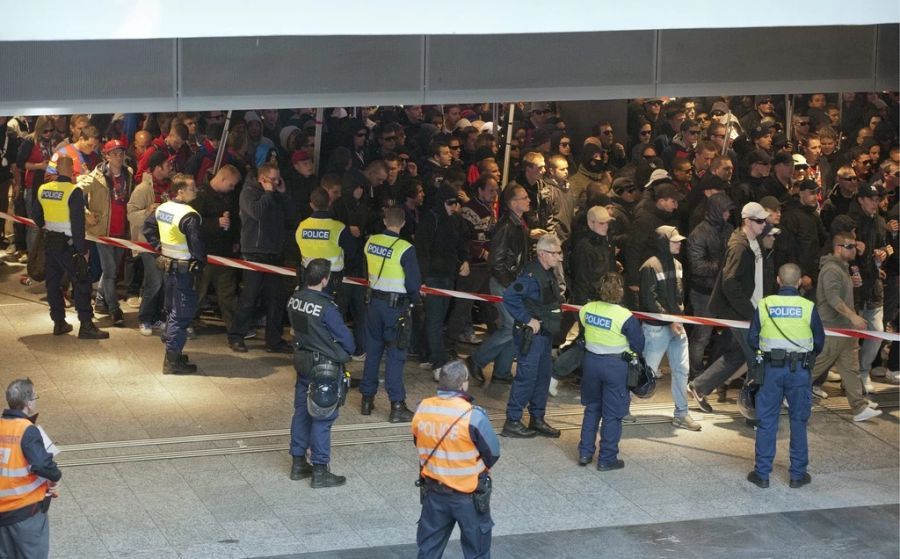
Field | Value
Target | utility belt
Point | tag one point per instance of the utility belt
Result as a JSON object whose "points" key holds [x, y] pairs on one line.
{"points": [[782, 358], [393, 299], [481, 497], [56, 241], [170, 265]]}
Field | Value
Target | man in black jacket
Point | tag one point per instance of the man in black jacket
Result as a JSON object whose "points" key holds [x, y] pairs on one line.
{"points": [[220, 231], [802, 235], [739, 286], [707, 244], [266, 213], [642, 237], [442, 245], [508, 254]]}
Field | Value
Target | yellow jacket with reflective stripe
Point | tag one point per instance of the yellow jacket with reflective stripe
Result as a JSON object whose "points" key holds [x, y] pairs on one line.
{"points": [[793, 315], [173, 243], [383, 253], [456, 463], [54, 198], [18, 486], [602, 323], [318, 237]]}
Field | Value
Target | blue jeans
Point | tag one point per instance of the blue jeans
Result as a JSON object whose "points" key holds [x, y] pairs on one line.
{"points": [[109, 263], [869, 349], [499, 347], [604, 396], [436, 307], [149, 311], [781, 383], [659, 340]]}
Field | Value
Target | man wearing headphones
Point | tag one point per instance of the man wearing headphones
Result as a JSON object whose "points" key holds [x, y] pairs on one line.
{"points": [[322, 343]]}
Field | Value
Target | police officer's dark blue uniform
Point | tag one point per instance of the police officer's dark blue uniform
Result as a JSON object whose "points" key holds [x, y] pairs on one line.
{"points": [[394, 283], [319, 334], [787, 326], [609, 331], [174, 229], [533, 300]]}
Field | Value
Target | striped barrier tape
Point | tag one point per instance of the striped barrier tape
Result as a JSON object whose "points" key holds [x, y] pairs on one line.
{"points": [[425, 290]]}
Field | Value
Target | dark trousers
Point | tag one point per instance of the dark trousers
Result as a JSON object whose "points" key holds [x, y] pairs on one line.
{"points": [[307, 432], [19, 230], [352, 302], [224, 281], [440, 513], [270, 287], [738, 353], [4, 204], [461, 314], [781, 383], [532, 382], [436, 307], [58, 264], [381, 335], [181, 307], [26, 539], [604, 396]]}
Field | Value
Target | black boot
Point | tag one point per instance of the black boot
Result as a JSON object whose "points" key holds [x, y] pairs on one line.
{"points": [[400, 413], [368, 404], [321, 477], [542, 428], [301, 469], [61, 327], [118, 318], [174, 365], [89, 331], [474, 370], [517, 430]]}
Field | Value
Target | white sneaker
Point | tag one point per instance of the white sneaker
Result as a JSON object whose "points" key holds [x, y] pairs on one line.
{"points": [[868, 386], [878, 372], [554, 387], [191, 334], [146, 329], [133, 302], [833, 377], [250, 334], [872, 405], [819, 393], [866, 414], [436, 373]]}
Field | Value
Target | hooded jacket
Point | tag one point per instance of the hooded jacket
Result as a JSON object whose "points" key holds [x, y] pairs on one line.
{"points": [[707, 243], [872, 231], [661, 283], [357, 213], [442, 240], [642, 240], [734, 284], [801, 239], [835, 285]]}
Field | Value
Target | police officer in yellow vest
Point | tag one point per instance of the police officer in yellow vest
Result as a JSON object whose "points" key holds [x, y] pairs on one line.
{"points": [[394, 282], [457, 447], [174, 229], [28, 475], [322, 236], [786, 329], [609, 330], [59, 210]]}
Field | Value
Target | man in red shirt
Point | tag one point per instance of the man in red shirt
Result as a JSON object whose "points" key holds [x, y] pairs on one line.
{"points": [[107, 189]]}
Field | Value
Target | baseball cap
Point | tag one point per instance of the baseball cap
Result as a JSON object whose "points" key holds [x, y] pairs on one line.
{"points": [[656, 175], [759, 132], [770, 229], [779, 140], [670, 233], [760, 99], [299, 155], [600, 214], [807, 185], [770, 203], [113, 145], [758, 156], [782, 158], [800, 161], [753, 210], [622, 184], [869, 191], [719, 106]]}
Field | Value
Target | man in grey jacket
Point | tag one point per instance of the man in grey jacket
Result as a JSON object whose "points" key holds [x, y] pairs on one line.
{"points": [[834, 301]]}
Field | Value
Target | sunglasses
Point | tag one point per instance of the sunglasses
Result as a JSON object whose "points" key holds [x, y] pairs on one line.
{"points": [[390, 138], [757, 221], [801, 167], [553, 252], [722, 136], [718, 113], [803, 123], [765, 102], [851, 179], [848, 246], [692, 131], [607, 132], [645, 132], [564, 144], [47, 131], [454, 148], [451, 202]]}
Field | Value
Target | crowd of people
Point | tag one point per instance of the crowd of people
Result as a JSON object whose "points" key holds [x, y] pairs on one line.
{"points": [[711, 207]]}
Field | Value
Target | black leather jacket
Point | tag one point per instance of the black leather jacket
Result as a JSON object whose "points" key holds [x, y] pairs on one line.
{"points": [[509, 249]]}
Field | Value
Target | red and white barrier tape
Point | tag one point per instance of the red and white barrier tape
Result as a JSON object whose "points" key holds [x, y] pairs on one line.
{"points": [[425, 290]]}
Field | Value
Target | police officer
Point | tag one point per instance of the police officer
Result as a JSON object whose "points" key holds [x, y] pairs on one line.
{"points": [[609, 331], [174, 229], [394, 282], [457, 448], [27, 478], [59, 209], [322, 236], [788, 332], [322, 343], [533, 302]]}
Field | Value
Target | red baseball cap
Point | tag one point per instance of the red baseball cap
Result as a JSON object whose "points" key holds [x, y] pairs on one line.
{"points": [[300, 155], [113, 145]]}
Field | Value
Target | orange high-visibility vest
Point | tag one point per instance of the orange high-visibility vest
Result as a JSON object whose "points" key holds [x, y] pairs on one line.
{"points": [[18, 486], [456, 463]]}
